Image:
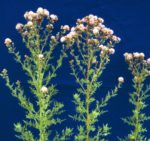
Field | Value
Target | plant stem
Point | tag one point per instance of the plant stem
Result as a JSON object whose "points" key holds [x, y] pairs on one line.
{"points": [[40, 100], [87, 101], [137, 108]]}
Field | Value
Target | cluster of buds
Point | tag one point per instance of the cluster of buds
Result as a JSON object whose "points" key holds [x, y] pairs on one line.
{"points": [[69, 37], [40, 13], [138, 62], [91, 20], [93, 27], [107, 50], [134, 56], [36, 18], [93, 42]]}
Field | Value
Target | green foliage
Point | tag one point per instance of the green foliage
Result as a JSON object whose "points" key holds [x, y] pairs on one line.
{"points": [[40, 67], [140, 71]]}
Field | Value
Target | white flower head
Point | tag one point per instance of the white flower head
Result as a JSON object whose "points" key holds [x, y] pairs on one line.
{"points": [[73, 29], [120, 79], [101, 20], [25, 15], [40, 56], [81, 27], [62, 39], [19, 26], [46, 12], [142, 55], [29, 24], [66, 27], [111, 50], [128, 56], [103, 48], [148, 61], [108, 31], [31, 13], [40, 11], [136, 55], [8, 42], [53, 17], [28, 15], [73, 33], [53, 37], [44, 89], [95, 31], [116, 39]]}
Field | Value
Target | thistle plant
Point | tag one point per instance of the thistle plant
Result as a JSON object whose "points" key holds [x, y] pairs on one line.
{"points": [[91, 44], [40, 65], [140, 69]]}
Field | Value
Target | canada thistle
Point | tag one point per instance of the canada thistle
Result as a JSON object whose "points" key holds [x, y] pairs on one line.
{"points": [[140, 69], [91, 44], [38, 65]]}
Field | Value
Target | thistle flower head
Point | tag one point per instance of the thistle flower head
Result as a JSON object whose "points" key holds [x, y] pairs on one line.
{"points": [[8, 42], [53, 17], [44, 89], [120, 79], [96, 30], [111, 51], [46, 13], [148, 61], [40, 11], [29, 24], [19, 26], [128, 56], [65, 27], [62, 39], [40, 56]]}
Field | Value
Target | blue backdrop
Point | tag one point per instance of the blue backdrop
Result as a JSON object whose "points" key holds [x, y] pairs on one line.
{"points": [[130, 19]]}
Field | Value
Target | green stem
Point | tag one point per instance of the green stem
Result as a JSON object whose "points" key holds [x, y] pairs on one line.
{"points": [[41, 130], [137, 108], [88, 99]]}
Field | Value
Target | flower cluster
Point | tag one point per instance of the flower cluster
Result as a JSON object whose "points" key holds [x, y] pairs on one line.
{"points": [[107, 50], [35, 19], [132, 56], [137, 62], [140, 69], [91, 25]]}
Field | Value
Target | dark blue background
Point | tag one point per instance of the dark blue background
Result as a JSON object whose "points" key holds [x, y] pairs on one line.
{"points": [[130, 19]]}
